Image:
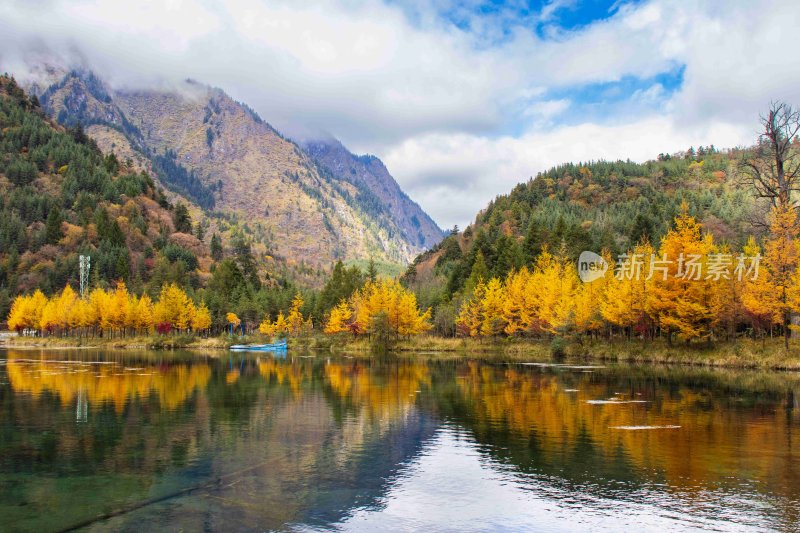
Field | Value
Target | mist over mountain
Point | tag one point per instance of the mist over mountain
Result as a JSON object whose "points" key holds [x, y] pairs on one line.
{"points": [[309, 203]]}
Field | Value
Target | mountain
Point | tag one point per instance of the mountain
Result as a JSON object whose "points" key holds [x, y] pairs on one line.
{"points": [[309, 204], [62, 197], [378, 191], [609, 205]]}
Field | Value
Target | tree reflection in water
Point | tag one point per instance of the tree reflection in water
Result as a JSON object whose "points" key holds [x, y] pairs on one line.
{"points": [[317, 441]]}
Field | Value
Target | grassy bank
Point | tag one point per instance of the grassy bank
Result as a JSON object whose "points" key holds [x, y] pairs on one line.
{"points": [[155, 342], [744, 353]]}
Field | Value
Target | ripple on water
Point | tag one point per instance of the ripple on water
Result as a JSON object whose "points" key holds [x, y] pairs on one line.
{"points": [[612, 401], [638, 428]]}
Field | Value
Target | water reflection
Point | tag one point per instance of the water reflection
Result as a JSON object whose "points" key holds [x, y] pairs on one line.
{"points": [[96, 382], [254, 443]]}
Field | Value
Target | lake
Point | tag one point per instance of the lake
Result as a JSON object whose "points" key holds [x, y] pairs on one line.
{"points": [[127, 441]]}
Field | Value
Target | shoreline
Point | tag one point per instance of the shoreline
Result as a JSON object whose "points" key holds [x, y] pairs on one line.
{"points": [[765, 354], [129, 343]]}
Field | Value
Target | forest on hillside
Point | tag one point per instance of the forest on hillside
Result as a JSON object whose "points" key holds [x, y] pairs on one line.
{"points": [[61, 197], [510, 273], [736, 203]]}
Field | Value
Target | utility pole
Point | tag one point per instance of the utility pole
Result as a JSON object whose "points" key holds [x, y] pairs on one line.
{"points": [[85, 264]]}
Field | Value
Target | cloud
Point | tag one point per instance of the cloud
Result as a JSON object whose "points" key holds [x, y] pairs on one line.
{"points": [[550, 8], [364, 72], [547, 109], [469, 170], [461, 103]]}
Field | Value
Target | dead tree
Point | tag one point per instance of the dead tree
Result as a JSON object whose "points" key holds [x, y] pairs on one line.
{"points": [[772, 169]]}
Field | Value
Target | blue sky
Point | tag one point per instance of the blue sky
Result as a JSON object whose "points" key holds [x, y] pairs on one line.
{"points": [[541, 17], [461, 100]]}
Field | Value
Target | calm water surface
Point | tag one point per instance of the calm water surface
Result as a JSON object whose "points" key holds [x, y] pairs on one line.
{"points": [[109, 441]]}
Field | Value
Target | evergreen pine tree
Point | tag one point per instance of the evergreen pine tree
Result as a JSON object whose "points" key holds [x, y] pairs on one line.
{"points": [[216, 247], [53, 226]]}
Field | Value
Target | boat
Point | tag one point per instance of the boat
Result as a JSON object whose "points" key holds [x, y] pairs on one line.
{"points": [[279, 346]]}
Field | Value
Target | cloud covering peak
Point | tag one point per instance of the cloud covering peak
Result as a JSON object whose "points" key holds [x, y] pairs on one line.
{"points": [[461, 101]]}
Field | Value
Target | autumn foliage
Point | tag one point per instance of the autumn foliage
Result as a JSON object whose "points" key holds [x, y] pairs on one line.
{"points": [[113, 312], [292, 324], [689, 288], [381, 298]]}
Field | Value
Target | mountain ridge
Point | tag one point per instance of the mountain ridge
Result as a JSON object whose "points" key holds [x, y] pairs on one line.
{"points": [[299, 205], [368, 170]]}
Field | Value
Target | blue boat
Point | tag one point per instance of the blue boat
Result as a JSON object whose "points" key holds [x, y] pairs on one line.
{"points": [[279, 346]]}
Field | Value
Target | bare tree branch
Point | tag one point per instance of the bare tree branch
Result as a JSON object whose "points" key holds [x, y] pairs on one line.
{"points": [[772, 168]]}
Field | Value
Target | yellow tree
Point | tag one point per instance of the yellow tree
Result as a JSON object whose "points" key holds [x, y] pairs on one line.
{"points": [[233, 320], [26, 312], [118, 307], [588, 310], [626, 292], [49, 317], [370, 300], [66, 308], [295, 318], [131, 308], [17, 318], [553, 283], [201, 321], [58, 312], [726, 293], [615, 307], [339, 318], [544, 286], [780, 261], [36, 307], [409, 319], [174, 307], [280, 325], [100, 302], [386, 296], [679, 295], [517, 307], [491, 306], [564, 312], [143, 320], [267, 327], [758, 295], [83, 315], [469, 318]]}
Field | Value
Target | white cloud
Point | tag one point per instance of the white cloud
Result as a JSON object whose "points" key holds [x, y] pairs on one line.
{"points": [[550, 8], [459, 115], [469, 170], [546, 109]]}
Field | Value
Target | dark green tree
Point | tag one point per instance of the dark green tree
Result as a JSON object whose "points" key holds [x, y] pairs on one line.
{"points": [[246, 261], [534, 240], [53, 232], [509, 256], [372, 270], [480, 272], [216, 247], [340, 286], [181, 218]]}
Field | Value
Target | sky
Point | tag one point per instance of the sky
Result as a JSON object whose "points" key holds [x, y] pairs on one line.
{"points": [[461, 99]]}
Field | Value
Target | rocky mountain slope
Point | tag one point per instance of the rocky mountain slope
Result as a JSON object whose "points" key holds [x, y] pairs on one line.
{"points": [[378, 191], [309, 206]]}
